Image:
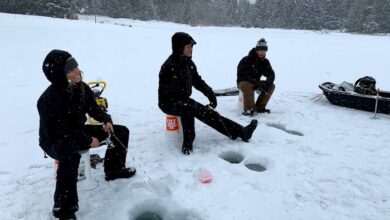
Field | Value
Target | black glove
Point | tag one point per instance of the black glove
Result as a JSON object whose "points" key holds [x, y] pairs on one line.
{"points": [[267, 86], [256, 86], [213, 100]]}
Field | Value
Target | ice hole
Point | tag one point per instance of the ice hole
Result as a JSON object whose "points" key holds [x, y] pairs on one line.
{"points": [[283, 128], [297, 133], [149, 216], [255, 167], [232, 157]]}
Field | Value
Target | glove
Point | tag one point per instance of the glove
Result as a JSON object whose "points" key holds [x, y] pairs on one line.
{"points": [[256, 88], [213, 100], [267, 86]]}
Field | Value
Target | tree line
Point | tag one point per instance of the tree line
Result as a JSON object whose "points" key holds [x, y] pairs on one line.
{"points": [[363, 16]]}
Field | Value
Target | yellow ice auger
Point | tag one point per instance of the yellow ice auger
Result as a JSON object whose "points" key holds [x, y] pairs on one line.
{"points": [[97, 89]]}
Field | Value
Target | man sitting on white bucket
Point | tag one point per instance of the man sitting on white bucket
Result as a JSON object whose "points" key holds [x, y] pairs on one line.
{"points": [[63, 134], [249, 72], [177, 76]]}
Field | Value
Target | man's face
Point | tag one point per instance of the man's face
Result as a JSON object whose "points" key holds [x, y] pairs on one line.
{"points": [[261, 53], [187, 51], [74, 76]]}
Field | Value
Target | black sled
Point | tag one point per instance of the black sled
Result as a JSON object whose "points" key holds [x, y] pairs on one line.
{"points": [[355, 96]]}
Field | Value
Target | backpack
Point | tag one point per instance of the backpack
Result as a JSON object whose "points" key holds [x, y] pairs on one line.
{"points": [[365, 86]]}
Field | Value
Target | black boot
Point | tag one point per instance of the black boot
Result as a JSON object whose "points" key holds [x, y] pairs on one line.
{"points": [[63, 213], [123, 173], [187, 148], [246, 132], [263, 110], [70, 216], [249, 112]]}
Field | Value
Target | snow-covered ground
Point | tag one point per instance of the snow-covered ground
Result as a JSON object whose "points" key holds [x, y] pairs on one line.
{"points": [[338, 168]]}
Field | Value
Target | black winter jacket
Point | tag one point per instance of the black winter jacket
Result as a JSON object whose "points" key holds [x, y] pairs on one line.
{"points": [[251, 68], [62, 110], [177, 76]]}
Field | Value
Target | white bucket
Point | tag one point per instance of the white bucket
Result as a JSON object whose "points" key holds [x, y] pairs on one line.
{"points": [[173, 131], [84, 179], [84, 171], [240, 103]]}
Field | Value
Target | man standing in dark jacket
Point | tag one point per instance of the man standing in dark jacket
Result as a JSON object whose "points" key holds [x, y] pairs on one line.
{"points": [[62, 133], [249, 71], [177, 77]]}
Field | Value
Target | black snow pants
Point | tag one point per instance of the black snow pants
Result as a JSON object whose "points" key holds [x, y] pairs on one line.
{"points": [[65, 195], [190, 109]]}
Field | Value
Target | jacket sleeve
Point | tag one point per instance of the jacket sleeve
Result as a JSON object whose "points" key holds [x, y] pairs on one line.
{"points": [[53, 125], [200, 84], [244, 71], [93, 108], [269, 73]]}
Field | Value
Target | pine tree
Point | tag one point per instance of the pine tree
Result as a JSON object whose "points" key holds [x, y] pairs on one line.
{"points": [[362, 18], [259, 14], [232, 11], [244, 12], [382, 12], [368, 16]]}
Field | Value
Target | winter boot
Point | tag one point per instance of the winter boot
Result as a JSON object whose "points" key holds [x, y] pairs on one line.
{"points": [[124, 173], [249, 112], [186, 149], [263, 110], [65, 213], [247, 131], [71, 216]]}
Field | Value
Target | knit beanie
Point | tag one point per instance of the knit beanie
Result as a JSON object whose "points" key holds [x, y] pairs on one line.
{"points": [[70, 64], [262, 45]]}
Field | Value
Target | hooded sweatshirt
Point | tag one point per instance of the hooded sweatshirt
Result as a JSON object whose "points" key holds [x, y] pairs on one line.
{"points": [[62, 109], [178, 74]]}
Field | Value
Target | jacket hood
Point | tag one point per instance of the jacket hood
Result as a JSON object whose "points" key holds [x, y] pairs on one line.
{"points": [[179, 40], [54, 67]]}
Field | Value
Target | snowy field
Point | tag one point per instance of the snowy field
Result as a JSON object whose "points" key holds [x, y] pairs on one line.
{"points": [[337, 167]]}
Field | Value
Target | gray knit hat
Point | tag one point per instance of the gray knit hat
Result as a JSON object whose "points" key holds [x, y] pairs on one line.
{"points": [[262, 45], [70, 64]]}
